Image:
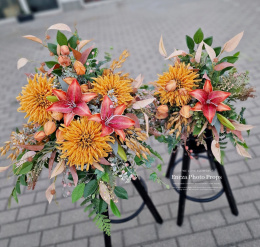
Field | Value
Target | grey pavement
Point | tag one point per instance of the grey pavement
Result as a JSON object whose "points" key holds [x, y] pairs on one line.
{"points": [[137, 26]]}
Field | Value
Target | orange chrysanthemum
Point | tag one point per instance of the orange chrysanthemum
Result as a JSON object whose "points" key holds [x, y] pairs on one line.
{"points": [[33, 99], [116, 88], [83, 143], [174, 86]]}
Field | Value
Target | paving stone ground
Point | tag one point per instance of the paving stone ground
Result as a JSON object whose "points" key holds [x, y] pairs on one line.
{"points": [[137, 26]]}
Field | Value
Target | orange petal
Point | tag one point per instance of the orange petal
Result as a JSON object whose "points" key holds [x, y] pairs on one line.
{"points": [[86, 97], [197, 107], [207, 86], [223, 107], [121, 133], [119, 109]]}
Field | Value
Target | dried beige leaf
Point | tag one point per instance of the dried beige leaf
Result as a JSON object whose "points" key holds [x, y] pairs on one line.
{"points": [[4, 168], [21, 62], [210, 51], [104, 192], [98, 166], [142, 103], [203, 128], [58, 169], [242, 151], [138, 81], [176, 54], [33, 38], [233, 43], [162, 48], [49, 192], [60, 26], [198, 52], [242, 127], [82, 43], [223, 65], [216, 150]]}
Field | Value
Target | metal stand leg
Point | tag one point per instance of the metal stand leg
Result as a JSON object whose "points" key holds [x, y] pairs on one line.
{"points": [[227, 189], [183, 187], [106, 237], [147, 200], [172, 161]]}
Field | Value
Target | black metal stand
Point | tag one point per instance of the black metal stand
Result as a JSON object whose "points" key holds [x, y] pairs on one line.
{"points": [[141, 187], [185, 174]]}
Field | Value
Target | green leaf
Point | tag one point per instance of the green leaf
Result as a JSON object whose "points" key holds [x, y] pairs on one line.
{"points": [[102, 206], [230, 59], [138, 161], [190, 43], [153, 176], [99, 174], [50, 64], [24, 168], [17, 186], [21, 155], [105, 177], [95, 51], [209, 40], [88, 207], [73, 41], [90, 188], [14, 194], [85, 201], [121, 192], [225, 121], [52, 48], [114, 209], [57, 72], [196, 130], [77, 193], [159, 167], [61, 39], [198, 36], [236, 54], [23, 180], [217, 50]]}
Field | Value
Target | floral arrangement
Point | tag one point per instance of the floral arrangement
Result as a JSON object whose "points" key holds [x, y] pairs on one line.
{"points": [[86, 123], [198, 92]]}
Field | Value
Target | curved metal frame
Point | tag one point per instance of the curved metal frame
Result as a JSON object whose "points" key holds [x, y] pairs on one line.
{"points": [[194, 199]]}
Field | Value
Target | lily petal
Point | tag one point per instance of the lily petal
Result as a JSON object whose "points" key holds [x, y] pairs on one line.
{"points": [[119, 109], [60, 106], [95, 117], [82, 109], [209, 111], [207, 86], [121, 133], [217, 97], [200, 95], [106, 108], [197, 107], [61, 95], [86, 97], [223, 107], [74, 92], [120, 122], [68, 117], [106, 130]]}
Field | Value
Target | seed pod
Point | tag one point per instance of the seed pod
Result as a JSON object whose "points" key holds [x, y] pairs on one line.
{"points": [[49, 127], [39, 136], [57, 115]]}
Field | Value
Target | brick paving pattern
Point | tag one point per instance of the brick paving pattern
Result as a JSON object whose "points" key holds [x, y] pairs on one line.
{"points": [[137, 26]]}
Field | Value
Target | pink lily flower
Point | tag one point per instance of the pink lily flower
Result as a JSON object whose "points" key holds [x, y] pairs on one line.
{"points": [[111, 118], [72, 102], [209, 100]]}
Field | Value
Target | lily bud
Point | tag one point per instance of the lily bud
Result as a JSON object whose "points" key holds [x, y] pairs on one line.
{"points": [[57, 115], [162, 112], [49, 127], [59, 136], [68, 80], [64, 50], [185, 111], [84, 88], [79, 67], [171, 86], [64, 61], [39, 136]]}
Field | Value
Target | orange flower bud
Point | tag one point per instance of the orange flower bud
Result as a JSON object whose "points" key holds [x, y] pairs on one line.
{"points": [[49, 127], [79, 67], [64, 50], [57, 115], [59, 136], [78, 42], [51, 54], [39, 136], [47, 37], [192, 60], [185, 111], [84, 88], [215, 60], [68, 80], [162, 112], [171, 86], [64, 61]]}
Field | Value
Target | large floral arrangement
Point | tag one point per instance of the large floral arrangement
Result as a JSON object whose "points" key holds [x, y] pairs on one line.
{"points": [[198, 93], [87, 123]]}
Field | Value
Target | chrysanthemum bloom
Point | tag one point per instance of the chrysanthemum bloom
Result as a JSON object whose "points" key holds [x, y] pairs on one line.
{"points": [[174, 86], [83, 143], [118, 90], [33, 99]]}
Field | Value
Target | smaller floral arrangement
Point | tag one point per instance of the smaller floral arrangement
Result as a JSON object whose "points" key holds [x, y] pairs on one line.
{"points": [[198, 93], [86, 123]]}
